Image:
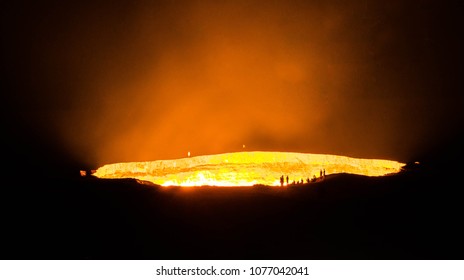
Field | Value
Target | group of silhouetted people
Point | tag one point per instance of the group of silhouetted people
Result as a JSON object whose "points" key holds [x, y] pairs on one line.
{"points": [[284, 180]]}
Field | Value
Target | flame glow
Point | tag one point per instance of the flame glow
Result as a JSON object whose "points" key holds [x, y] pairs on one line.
{"points": [[245, 168]]}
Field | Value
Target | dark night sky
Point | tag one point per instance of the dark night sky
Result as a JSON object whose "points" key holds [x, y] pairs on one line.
{"points": [[92, 82]]}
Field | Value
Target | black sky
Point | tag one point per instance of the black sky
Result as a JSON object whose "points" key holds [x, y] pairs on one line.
{"points": [[92, 82]]}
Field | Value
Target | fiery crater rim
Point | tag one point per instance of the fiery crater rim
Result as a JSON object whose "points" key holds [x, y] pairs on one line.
{"points": [[247, 168]]}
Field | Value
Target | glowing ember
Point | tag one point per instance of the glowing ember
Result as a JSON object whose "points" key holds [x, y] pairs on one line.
{"points": [[246, 169]]}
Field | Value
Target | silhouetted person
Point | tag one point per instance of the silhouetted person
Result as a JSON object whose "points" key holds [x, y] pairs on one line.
{"points": [[320, 173], [324, 172], [307, 180], [282, 180], [287, 179]]}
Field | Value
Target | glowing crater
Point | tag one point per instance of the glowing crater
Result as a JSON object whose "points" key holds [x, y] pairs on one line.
{"points": [[245, 169]]}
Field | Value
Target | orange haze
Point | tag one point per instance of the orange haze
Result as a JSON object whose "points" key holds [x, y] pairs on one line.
{"points": [[155, 81]]}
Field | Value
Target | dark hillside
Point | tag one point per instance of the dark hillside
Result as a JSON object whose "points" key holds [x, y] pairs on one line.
{"points": [[412, 215]]}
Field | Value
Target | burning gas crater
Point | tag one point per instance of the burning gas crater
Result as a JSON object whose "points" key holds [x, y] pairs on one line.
{"points": [[245, 169]]}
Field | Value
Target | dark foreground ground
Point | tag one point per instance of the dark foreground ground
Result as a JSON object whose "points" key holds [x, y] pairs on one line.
{"points": [[413, 215]]}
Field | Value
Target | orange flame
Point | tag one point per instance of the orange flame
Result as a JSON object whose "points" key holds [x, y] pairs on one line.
{"points": [[245, 169]]}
